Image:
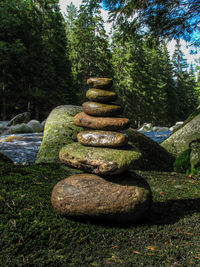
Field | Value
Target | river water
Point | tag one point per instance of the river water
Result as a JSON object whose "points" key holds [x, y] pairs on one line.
{"points": [[23, 148]]}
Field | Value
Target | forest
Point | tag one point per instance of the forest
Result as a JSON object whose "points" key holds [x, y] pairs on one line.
{"points": [[46, 58]]}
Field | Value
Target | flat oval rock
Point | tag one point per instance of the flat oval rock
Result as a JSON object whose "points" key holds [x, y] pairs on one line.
{"points": [[99, 160], [102, 138], [123, 199], [100, 83], [101, 123], [100, 109], [99, 95]]}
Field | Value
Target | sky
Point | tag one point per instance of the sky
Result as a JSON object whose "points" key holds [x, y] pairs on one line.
{"points": [[190, 58]]}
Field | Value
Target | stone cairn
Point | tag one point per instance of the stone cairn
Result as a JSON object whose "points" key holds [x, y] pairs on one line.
{"points": [[118, 196]]}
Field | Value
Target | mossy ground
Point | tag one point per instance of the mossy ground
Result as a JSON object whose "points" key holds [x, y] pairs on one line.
{"points": [[32, 234]]}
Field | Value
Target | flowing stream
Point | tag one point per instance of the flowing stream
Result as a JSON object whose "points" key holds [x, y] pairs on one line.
{"points": [[23, 148]]}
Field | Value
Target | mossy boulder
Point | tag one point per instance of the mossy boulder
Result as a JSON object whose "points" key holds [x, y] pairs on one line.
{"points": [[154, 157], [20, 118], [99, 160], [195, 155], [59, 131], [180, 139], [182, 162]]}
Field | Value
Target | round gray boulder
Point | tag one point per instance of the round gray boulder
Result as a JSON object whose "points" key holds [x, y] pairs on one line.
{"points": [[36, 126]]}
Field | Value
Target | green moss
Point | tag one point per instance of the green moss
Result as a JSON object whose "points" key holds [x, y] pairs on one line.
{"points": [[32, 234], [59, 131], [180, 140], [182, 162], [99, 159]]}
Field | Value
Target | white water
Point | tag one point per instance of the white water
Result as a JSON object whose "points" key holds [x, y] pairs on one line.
{"points": [[22, 150]]}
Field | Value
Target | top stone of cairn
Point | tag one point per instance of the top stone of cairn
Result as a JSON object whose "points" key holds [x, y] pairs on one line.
{"points": [[100, 83]]}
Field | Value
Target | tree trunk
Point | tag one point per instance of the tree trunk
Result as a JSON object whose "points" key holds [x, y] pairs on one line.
{"points": [[36, 111], [3, 103], [29, 107]]}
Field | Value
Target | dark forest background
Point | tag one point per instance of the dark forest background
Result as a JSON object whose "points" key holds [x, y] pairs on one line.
{"points": [[46, 58]]}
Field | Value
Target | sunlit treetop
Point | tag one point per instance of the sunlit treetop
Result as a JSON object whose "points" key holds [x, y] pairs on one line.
{"points": [[169, 18]]}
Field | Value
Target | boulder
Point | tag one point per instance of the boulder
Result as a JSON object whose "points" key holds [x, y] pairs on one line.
{"points": [[3, 127], [146, 127], [154, 157], [18, 128], [98, 160], [36, 126], [180, 139], [119, 199], [59, 131], [20, 118], [160, 129]]}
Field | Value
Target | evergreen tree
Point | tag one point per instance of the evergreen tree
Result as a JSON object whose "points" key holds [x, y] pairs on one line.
{"points": [[35, 70], [144, 78], [185, 84], [88, 44]]}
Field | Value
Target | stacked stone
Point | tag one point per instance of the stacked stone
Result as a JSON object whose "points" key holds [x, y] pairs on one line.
{"points": [[102, 149], [95, 115]]}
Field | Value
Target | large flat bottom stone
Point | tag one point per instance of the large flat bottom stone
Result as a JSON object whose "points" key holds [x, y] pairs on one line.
{"points": [[99, 160], [124, 198]]}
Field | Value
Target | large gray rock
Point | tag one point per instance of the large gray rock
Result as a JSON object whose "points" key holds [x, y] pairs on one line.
{"points": [[36, 126], [123, 198], [59, 131], [99, 160], [179, 140], [20, 118], [19, 128]]}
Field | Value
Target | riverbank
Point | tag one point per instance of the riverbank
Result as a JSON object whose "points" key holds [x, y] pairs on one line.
{"points": [[32, 234]]}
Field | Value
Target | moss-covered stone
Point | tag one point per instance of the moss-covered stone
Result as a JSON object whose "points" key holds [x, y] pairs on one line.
{"points": [[59, 131], [154, 157], [99, 160], [195, 154], [182, 162], [179, 140]]}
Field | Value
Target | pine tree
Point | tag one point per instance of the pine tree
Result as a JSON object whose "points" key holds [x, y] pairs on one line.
{"points": [[88, 45], [185, 84]]}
